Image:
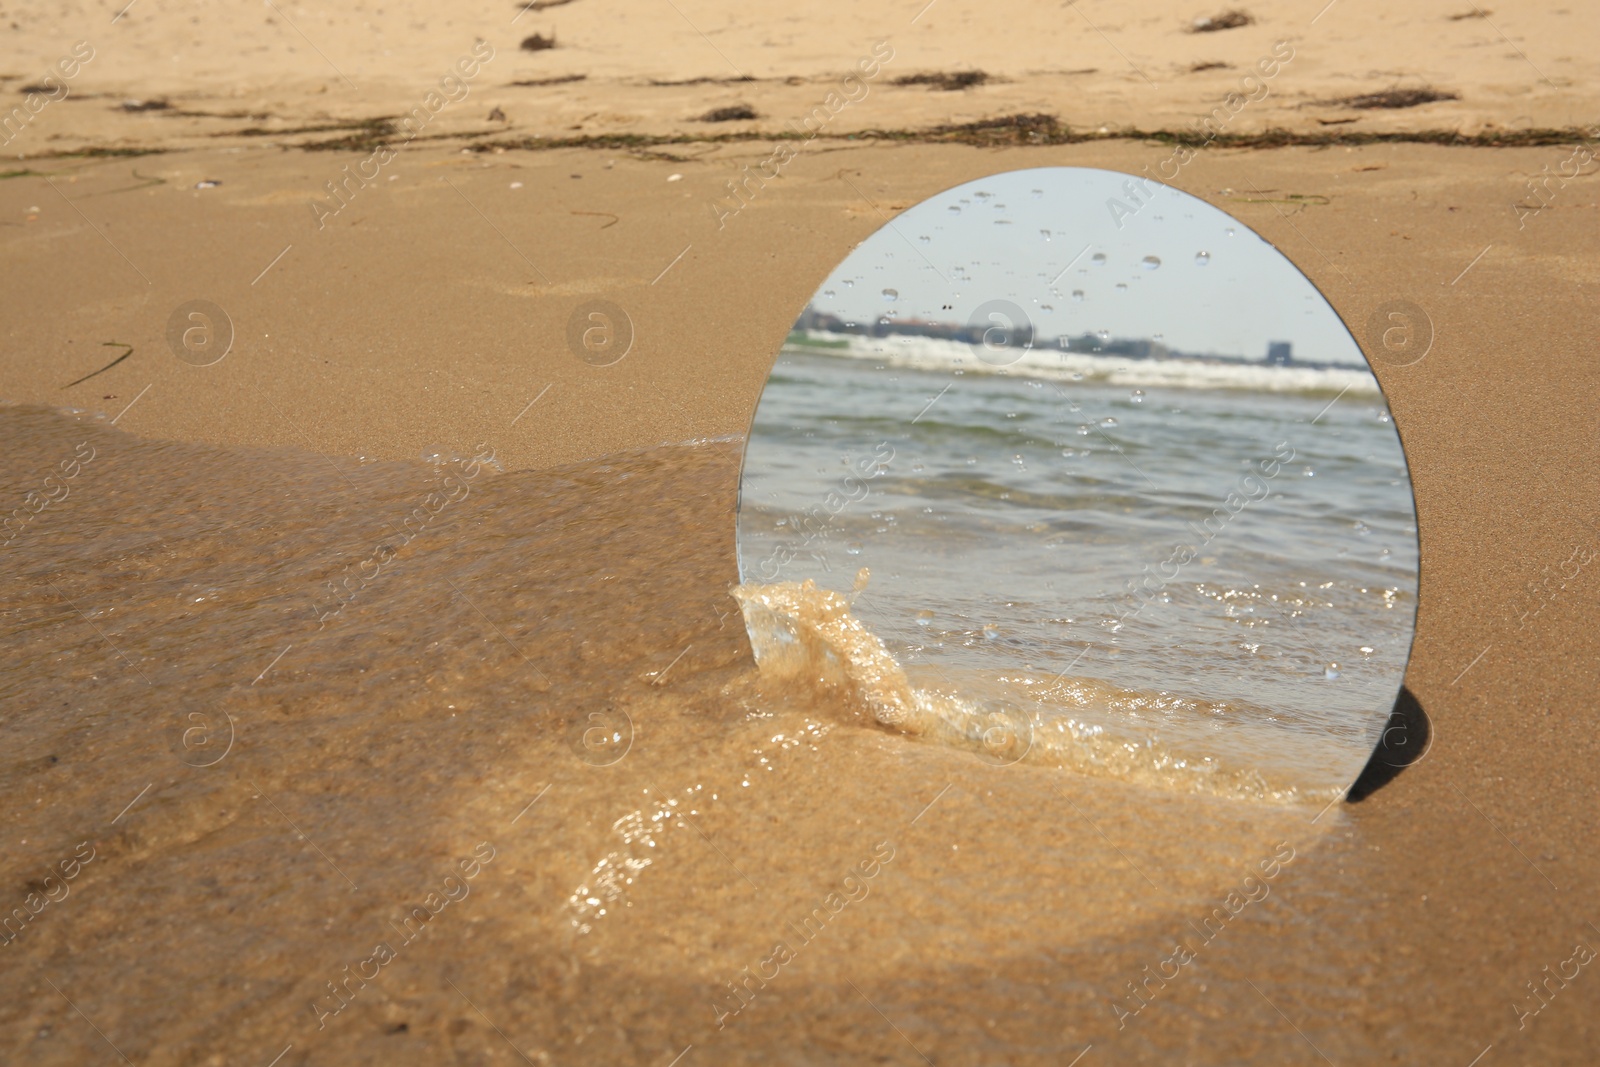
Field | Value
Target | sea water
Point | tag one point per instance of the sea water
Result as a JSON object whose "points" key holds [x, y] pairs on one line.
{"points": [[1197, 572]]}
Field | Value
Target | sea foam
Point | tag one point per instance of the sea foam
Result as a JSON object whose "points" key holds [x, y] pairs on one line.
{"points": [[940, 355], [806, 639]]}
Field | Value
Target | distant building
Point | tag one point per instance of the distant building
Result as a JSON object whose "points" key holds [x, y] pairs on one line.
{"points": [[1129, 348], [1278, 353]]}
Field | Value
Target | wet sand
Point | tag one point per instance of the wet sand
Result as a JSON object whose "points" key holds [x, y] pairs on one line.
{"points": [[1407, 927], [387, 743], [303, 806]]}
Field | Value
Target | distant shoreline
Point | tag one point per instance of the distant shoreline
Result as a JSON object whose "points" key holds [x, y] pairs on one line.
{"points": [[940, 356]]}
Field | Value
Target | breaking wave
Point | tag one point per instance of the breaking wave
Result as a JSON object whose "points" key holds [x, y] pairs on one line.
{"points": [[806, 639], [938, 355]]}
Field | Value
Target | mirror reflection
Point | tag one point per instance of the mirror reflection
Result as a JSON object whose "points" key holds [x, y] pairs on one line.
{"points": [[1068, 466]]}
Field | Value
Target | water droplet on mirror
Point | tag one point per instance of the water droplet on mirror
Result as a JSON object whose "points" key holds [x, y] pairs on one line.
{"points": [[1045, 234], [1362, 528], [849, 284], [990, 631], [1229, 231], [1137, 396], [891, 295], [1331, 671], [1098, 259], [1150, 262], [853, 548], [1108, 422], [1202, 259], [1122, 287], [955, 209], [827, 292], [1077, 294], [1084, 430], [924, 618]]}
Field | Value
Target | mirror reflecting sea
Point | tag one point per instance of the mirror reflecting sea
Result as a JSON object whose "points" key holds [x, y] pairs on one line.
{"points": [[1081, 470]]}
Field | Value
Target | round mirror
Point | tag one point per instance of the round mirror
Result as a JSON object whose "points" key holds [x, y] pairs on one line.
{"points": [[1067, 466]]}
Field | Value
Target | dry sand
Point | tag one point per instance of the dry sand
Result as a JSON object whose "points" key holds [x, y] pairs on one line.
{"points": [[431, 311], [276, 70]]}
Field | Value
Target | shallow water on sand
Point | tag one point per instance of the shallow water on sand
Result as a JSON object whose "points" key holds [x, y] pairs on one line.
{"points": [[511, 786]]}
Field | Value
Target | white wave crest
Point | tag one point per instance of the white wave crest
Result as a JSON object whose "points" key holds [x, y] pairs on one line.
{"points": [[937, 354]]}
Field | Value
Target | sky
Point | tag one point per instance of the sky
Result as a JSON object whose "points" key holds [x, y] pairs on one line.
{"points": [[1048, 240]]}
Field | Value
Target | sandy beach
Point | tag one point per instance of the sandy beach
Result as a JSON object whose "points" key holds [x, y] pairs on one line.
{"points": [[240, 790]]}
